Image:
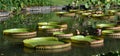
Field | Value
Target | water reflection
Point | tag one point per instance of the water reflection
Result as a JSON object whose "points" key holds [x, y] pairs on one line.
{"points": [[28, 50]]}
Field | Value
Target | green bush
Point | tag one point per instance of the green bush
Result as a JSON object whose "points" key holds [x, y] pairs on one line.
{"points": [[13, 5]]}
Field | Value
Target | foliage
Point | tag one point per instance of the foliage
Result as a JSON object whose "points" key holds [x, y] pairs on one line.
{"points": [[13, 5], [99, 4]]}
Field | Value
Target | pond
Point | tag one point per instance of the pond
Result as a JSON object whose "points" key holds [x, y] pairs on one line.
{"points": [[11, 47]]}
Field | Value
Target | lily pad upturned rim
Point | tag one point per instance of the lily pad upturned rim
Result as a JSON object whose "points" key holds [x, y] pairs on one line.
{"points": [[24, 35], [17, 30], [80, 11], [29, 50], [69, 14], [42, 39], [114, 35], [45, 46], [114, 28]]}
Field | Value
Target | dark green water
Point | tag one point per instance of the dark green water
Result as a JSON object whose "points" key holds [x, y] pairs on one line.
{"points": [[11, 47]]}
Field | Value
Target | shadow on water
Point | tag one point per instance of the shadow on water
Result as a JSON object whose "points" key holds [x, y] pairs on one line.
{"points": [[8, 48]]}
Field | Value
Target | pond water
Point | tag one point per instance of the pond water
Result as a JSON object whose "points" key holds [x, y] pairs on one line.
{"points": [[11, 47]]}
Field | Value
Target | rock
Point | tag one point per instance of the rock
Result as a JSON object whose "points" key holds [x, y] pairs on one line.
{"points": [[3, 13], [3, 18], [44, 8]]}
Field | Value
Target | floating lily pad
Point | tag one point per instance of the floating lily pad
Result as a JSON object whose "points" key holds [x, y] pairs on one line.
{"points": [[87, 39], [81, 38], [50, 29], [16, 30], [69, 14], [80, 12], [115, 28], [108, 31], [47, 23], [118, 13], [89, 10], [60, 24], [97, 15], [43, 42], [61, 13], [112, 11], [62, 34], [47, 27], [20, 33], [86, 14], [73, 10], [104, 25], [40, 41]]}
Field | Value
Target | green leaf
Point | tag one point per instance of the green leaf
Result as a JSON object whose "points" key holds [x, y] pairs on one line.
{"points": [[107, 6], [86, 5]]}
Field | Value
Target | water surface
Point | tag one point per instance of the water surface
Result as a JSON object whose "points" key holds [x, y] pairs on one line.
{"points": [[11, 47]]}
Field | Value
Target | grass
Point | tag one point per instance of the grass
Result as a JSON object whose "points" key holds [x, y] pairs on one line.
{"points": [[61, 2], [17, 5]]}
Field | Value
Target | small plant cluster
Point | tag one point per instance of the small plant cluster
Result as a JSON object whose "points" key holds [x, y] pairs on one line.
{"points": [[116, 53], [96, 4]]}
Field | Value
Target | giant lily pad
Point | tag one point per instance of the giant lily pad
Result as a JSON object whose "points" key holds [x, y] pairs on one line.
{"points": [[44, 42], [73, 10], [62, 34], [81, 38], [61, 24], [61, 13], [20, 32], [104, 25], [90, 39], [69, 14], [16, 30], [47, 23], [97, 15], [107, 31], [47, 27], [115, 28], [86, 14], [80, 12], [112, 11], [50, 28]]}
